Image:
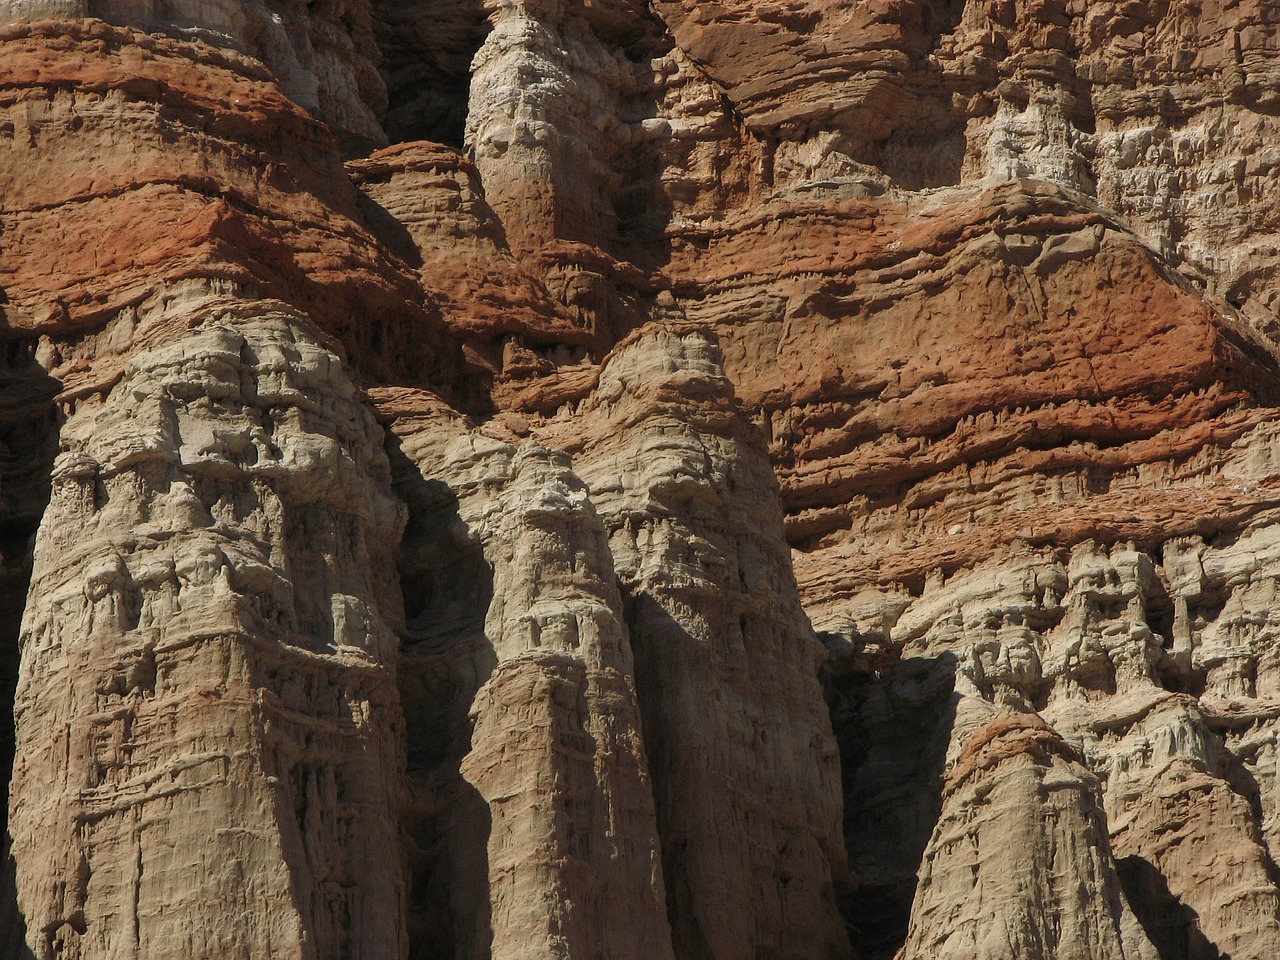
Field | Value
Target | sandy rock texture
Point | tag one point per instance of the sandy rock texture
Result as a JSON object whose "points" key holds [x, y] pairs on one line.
{"points": [[1021, 902], [532, 816], [743, 764], [206, 707], [322, 56], [515, 479]]}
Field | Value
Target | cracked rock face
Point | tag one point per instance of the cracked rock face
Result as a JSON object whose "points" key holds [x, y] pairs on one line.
{"points": [[696, 481]]}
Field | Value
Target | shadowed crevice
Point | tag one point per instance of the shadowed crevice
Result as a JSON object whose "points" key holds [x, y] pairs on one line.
{"points": [[447, 587], [666, 697], [28, 444], [1171, 925], [893, 727], [427, 47]]}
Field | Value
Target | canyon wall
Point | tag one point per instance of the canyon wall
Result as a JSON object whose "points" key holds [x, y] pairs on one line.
{"points": [[581, 478]]}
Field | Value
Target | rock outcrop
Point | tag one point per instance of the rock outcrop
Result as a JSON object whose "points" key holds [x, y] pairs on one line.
{"points": [[1019, 863], [743, 762], [322, 57], [518, 674], [582, 478], [206, 708]]}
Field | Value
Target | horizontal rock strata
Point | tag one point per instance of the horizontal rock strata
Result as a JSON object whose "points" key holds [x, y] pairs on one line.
{"points": [[580, 478]]}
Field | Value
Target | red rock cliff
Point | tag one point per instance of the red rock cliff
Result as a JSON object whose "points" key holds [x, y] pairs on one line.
{"points": [[728, 481]]}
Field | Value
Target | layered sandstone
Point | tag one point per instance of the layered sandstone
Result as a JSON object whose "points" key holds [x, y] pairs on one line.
{"points": [[788, 480], [322, 57], [1042, 886], [743, 764]]}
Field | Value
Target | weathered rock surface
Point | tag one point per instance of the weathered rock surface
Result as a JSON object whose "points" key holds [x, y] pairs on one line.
{"points": [[322, 56], [221, 181], [729, 481], [1019, 863], [206, 708], [520, 684], [744, 775]]}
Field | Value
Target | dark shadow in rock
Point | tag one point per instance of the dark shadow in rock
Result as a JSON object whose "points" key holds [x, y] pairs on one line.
{"points": [[706, 797], [427, 47], [13, 927], [393, 234], [445, 657], [28, 445], [893, 726], [1172, 926], [670, 684], [642, 209], [920, 157]]}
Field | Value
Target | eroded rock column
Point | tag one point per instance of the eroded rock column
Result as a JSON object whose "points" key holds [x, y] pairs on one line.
{"points": [[517, 657], [744, 762], [209, 737], [1019, 864], [544, 118]]}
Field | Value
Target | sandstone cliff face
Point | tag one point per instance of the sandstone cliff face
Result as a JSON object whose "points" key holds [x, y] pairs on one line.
{"points": [[743, 763], [322, 57], [541, 782], [1032, 886], [727, 481], [206, 710]]}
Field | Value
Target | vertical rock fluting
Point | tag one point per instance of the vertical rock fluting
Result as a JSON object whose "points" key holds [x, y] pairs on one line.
{"points": [[28, 443], [537, 658], [577, 779], [1020, 863], [208, 727], [744, 764], [551, 91], [744, 780], [991, 281], [559, 123], [210, 757]]}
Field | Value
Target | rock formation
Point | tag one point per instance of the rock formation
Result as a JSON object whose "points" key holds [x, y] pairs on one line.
{"points": [[582, 478], [994, 883], [206, 706]]}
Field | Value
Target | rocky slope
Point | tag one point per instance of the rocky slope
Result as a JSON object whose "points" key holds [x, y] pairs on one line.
{"points": [[581, 478]]}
